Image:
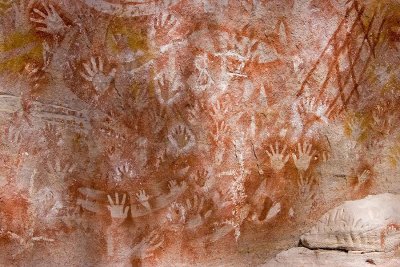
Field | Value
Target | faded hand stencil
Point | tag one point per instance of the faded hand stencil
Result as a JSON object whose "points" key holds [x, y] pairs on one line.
{"points": [[170, 132]]}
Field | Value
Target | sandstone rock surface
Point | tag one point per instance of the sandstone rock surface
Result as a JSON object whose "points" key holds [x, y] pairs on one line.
{"points": [[197, 132], [302, 257], [369, 224]]}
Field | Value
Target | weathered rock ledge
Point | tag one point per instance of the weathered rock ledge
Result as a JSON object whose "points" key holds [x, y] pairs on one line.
{"points": [[357, 233]]}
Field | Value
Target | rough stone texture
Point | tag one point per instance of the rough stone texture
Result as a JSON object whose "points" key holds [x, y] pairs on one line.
{"points": [[325, 258], [369, 224], [357, 233], [184, 133]]}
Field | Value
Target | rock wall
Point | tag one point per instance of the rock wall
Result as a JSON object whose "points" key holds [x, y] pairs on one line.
{"points": [[197, 133]]}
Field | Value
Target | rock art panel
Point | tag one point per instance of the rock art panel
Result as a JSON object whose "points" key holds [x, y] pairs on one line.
{"points": [[197, 133]]}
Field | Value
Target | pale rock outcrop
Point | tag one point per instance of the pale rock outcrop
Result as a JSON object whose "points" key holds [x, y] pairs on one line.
{"points": [[300, 256], [357, 233], [369, 224]]}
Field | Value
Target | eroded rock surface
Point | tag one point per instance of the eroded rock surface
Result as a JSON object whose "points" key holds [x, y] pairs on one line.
{"points": [[362, 232], [369, 224], [300, 256]]}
